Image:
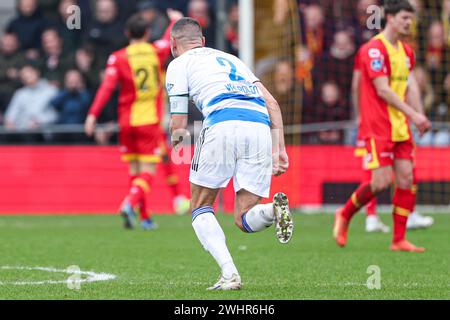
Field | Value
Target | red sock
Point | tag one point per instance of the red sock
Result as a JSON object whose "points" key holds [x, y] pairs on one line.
{"points": [[140, 186], [371, 207], [359, 198], [414, 188], [143, 213], [403, 205], [131, 179], [172, 182], [172, 177]]}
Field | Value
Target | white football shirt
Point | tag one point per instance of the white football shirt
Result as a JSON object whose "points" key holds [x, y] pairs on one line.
{"points": [[220, 84]]}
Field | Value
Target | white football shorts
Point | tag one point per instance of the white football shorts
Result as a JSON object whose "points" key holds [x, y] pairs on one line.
{"points": [[241, 150]]}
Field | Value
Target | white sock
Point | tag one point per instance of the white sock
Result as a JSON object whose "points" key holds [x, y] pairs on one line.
{"points": [[259, 217], [212, 238]]}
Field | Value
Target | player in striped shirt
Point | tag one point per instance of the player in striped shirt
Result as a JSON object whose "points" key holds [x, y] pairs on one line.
{"points": [[242, 138]]}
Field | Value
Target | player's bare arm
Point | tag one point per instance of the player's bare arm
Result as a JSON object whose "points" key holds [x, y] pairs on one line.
{"points": [[178, 128], [280, 157], [355, 92], [89, 125], [179, 106], [387, 94], [102, 96], [413, 96]]}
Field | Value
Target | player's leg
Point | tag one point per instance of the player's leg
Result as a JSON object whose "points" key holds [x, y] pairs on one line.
{"points": [[415, 219], [146, 173], [250, 216], [135, 200], [142, 143], [135, 169], [212, 237], [127, 211], [371, 207], [181, 203], [373, 220], [128, 150], [252, 180], [381, 180], [211, 171], [403, 203], [140, 185]]}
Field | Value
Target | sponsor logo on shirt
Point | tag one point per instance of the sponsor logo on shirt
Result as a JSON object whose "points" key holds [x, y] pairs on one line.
{"points": [[387, 155], [374, 53], [169, 87], [376, 65]]}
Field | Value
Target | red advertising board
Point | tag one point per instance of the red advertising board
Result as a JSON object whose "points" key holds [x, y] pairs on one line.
{"points": [[93, 180]]}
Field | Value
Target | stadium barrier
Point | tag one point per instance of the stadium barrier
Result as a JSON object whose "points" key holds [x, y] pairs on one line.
{"points": [[93, 180]]}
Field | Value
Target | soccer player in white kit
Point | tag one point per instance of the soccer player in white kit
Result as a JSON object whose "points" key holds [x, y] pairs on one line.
{"points": [[242, 138]]}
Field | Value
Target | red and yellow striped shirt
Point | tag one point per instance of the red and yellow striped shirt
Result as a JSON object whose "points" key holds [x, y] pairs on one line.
{"points": [[379, 58], [138, 70]]}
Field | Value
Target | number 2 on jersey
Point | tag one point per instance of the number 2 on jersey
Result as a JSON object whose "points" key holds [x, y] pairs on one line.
{"points": [[143, 74], [233, 76]]}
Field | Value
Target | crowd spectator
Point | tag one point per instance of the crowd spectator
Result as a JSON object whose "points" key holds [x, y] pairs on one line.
{"points": [[179, 5], [49, 8], [71, 38], [30, 105], [285, 90], [72, 102], [304, 67], [232, 29], [416, 40], [314, 43], [436, 60], [445, 19], [314, 33], [337, 64], [425, 88], [361, 31], [283, 81], [331, 108], [54, 62], [28, 25], [200, 10], [328, 35], [126, 9], [86, 61], [158, 21], [106, 31], [10, 62]]}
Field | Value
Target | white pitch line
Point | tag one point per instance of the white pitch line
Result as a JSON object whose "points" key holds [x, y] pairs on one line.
{"points": [[91, 276]]}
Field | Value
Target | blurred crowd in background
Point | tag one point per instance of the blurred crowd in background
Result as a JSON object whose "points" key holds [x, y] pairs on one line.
{"points": [[333, 31], [49, 74]]}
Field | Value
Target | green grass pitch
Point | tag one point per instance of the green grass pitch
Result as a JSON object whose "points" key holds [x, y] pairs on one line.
{"points": [[170, 263]]}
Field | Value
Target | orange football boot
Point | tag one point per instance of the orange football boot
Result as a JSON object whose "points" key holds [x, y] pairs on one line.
{"points": [[340, 228], [405, 245]]}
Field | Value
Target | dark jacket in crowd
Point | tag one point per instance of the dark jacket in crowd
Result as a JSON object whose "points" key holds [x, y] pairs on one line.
{"points": [[71, 106], [71, 37], [54, 71], [106, 37], [13, 61], [28, 29]]}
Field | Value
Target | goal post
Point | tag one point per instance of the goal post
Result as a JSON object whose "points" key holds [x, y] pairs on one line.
{"points": [[246, 32]]}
